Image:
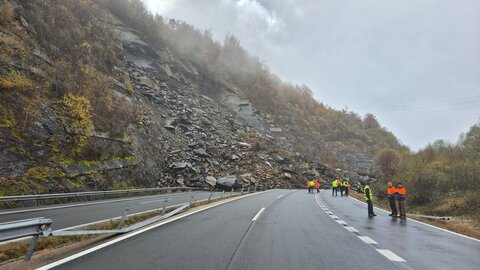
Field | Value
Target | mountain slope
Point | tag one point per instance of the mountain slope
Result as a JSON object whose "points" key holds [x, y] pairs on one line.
{"points": [[100, 94]]}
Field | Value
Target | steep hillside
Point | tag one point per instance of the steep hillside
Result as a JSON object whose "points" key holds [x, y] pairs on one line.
{"points": [[100, 94]]}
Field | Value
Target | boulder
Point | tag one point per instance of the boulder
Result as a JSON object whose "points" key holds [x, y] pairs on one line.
{"points": [[212, 181], [228, 182]]}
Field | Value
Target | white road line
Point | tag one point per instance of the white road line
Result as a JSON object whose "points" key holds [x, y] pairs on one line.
{"points": [[82, 204], [367, 240], [426, 224], [390, 255], [121, 238], [168, 199], [351, 229], [258, 214], [341, 222], [334, 217], [279, 196]]}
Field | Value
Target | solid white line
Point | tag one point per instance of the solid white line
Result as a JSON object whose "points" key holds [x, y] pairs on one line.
{"points": [[83, 204], [341, 222], [367, 240], [428, 225], [351, 229], [390, 255], [121, 238], [168, 199], [258, 214], [279, 196]]}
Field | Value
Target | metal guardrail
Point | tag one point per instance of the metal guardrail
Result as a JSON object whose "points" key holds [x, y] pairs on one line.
{"points": [[24, 228], [77, 195]]}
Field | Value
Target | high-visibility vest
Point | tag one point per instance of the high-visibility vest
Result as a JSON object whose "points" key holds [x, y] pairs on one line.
{"points": [[401, 192], [335, 184], [308, 183], [391, 191], [312, 183], [345, 184], [317, 184], [365, 193]]}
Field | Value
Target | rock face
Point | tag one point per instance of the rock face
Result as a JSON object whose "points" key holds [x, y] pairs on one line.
{"points": [[189, 129]]}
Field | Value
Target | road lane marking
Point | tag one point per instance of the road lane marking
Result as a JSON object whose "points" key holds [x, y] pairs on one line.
{"points": [[258, 214], [390, 255], [279, 196], [83, 204], [341, 222], [167, 199], [334, 217], [351, 229], [426, 224], [367, 240], [121, 238]]}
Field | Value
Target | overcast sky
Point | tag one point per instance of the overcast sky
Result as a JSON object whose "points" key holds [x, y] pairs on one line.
{"points": [[415, 64]]}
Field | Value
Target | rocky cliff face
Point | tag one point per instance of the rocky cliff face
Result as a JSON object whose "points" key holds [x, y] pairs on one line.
{"points": [[187, 129]]}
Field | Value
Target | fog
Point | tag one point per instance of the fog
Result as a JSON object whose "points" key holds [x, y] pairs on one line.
{"points": [[413, 63]]}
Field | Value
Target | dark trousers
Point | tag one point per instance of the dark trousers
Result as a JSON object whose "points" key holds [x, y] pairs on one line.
{"points": [[401, 207], [393, 205], [309, 189], [341, 190], [346, 191], [334, 190], [370, 208]]}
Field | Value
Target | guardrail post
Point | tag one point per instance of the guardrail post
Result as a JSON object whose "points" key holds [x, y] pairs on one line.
{"points": [[164, 209], [192, 199], [122, 221], [37, 200], [248, 191], [210, 196], [241, 191], [223, 192], [231, 193], [31, 248]]}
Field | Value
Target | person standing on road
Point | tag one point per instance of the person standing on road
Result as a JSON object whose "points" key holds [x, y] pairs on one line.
{"points": [[308, 185], [391, 194], [345, 186], [317, 185], [342, 187], [401, 193], [335, 187], [312, 184], [368, 198]]}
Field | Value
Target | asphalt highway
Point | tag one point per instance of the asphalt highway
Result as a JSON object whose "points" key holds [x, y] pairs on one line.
{"points": [[74, 214], [284, 229]]}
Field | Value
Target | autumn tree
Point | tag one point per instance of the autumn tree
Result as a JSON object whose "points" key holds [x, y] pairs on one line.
{"points": [[370, 121], [388, 161]]}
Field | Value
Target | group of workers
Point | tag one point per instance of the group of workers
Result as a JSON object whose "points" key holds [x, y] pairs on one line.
{"points": [[313, 184], [394, 195], [343, 186]]}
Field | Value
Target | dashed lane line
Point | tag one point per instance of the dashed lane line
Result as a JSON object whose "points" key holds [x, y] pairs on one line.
{"points": [[390, 255], [258, 214], [351, 229], [385, 252], [367, 240], [280, 196]]}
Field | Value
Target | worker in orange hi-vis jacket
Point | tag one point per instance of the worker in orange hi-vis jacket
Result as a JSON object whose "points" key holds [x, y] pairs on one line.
{"points": [[317, 185]]}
